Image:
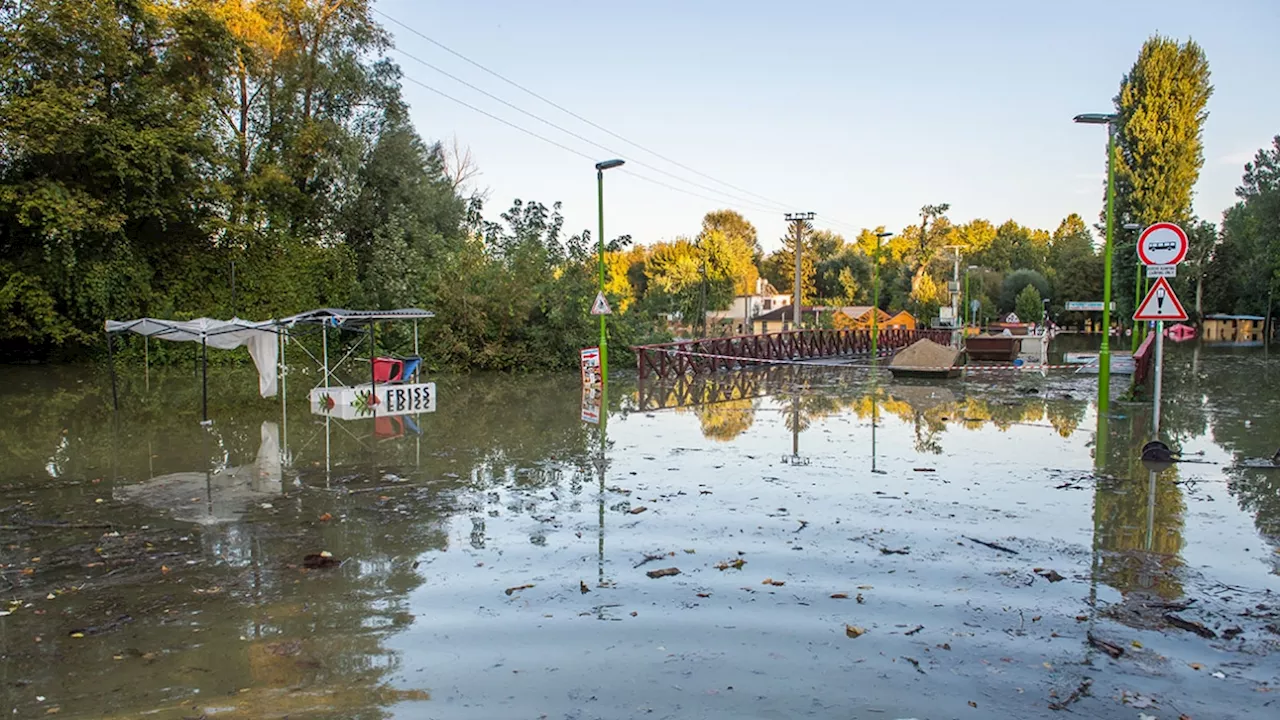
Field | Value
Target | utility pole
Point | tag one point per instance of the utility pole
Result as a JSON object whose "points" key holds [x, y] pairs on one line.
{"points": [[954, 286], [799, 222]]}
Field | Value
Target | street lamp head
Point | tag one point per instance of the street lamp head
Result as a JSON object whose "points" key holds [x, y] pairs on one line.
{"points": [[883, 234], [1131, 226], [609, 164], [1095, 118]]}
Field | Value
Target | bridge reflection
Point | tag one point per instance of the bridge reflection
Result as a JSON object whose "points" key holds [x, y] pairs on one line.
{"points": [[726, 403]]}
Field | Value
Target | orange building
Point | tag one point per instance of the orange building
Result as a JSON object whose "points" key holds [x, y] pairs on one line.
{"points": [[858, 317]]}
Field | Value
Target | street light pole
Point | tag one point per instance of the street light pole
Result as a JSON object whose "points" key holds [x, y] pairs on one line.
{"points": [[604, 342], [875, 296], [1104, 352], [968, 299]]}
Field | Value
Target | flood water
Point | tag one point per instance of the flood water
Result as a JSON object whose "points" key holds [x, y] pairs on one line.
{"points": [[848, 546]]}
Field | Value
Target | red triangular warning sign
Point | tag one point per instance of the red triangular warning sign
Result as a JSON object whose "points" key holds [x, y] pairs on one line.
{"points": [[1160, 304], [601, 305]]}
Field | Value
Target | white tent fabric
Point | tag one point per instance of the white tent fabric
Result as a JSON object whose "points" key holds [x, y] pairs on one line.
{"points": [[259, 337]]}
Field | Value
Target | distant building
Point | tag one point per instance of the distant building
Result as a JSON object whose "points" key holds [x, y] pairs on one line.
{"points": [[858, 317], [1232, 328], [746, 308], [903, 320], [781, 318]]}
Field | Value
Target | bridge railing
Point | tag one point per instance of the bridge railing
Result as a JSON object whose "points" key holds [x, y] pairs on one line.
{"points": [[709, 355], [1143, 359]]}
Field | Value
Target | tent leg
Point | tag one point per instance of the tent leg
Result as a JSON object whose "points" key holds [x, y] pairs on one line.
{"points": [[204, 378], [324, 344], [111, 363], [415, 338], [146, 361], [373, 372], [284, 404]]}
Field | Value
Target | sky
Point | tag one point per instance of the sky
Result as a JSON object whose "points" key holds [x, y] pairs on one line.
{"points": [[861, 112]]}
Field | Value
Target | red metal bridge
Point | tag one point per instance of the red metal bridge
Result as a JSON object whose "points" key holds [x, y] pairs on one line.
{"points": [[709, 355]]}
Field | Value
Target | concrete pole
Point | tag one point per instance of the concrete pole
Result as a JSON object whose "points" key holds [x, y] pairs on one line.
{"points": [[795, 323]]}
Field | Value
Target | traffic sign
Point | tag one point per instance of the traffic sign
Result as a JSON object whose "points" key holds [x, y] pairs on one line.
{"points": [[601, 305], [1086, 306], [1160, 304], [1165, 271], [1162, 244]]}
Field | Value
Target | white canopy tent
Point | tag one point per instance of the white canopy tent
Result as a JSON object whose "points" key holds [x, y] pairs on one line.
{"points": [[259, 337], [264, 339]]}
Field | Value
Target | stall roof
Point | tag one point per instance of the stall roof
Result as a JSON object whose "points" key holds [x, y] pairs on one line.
{"points": [[337, 317], [189, 330]]}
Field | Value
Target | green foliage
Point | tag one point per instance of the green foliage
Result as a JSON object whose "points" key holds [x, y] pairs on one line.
{"points": [[1245, 266], [1029, 304], [1015, 282], [1073, 265], [1161, 109], [845, 279], [926, 298], [1161, 114]]}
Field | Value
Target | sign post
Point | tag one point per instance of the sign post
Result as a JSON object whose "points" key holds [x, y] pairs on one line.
{"points": [[1161, 247]]}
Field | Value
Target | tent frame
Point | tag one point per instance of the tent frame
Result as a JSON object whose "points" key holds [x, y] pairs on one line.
{"points": [[323, 317]]}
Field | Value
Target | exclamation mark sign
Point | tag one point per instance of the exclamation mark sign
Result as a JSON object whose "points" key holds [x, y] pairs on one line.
{"points": [[1160, 301]]}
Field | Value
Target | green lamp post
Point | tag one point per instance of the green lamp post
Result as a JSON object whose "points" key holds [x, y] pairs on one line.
{"points": [[604, 342], [1104, 352]]}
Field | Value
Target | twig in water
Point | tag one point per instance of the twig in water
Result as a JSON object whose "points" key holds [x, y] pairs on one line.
{"points": [[648, 559], [1115, 651], [993, 546], [1190, 626]]}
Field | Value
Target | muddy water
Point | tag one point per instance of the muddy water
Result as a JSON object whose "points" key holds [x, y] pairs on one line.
{"points": [[889, 550]]}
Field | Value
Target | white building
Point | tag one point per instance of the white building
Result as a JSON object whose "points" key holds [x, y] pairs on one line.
{"points": [[746, 307]]}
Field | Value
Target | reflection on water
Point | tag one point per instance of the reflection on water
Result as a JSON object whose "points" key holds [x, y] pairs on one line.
{"points": [[174, 554]]}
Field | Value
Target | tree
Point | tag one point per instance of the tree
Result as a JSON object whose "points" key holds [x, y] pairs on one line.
{"points": [[1161, 111], [825, 243], [735, 227], [1245, 267], [1029, 305], [923, 244], [1161, 114], [731, 240], [688, 279], [927, 297], [1074, 268], [1015, 282]]}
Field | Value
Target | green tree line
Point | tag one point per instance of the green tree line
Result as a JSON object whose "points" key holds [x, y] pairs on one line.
{"points": [[150, 150]]}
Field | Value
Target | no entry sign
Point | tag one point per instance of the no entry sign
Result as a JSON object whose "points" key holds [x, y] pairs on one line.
{"points": [[1162, 244]]}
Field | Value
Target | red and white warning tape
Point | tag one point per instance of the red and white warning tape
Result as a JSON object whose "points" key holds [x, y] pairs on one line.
{"points": [[1026, 367]]}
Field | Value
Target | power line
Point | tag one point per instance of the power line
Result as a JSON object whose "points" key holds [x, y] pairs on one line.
{"points": [[566, 148], [575, 115], [564, 130]]}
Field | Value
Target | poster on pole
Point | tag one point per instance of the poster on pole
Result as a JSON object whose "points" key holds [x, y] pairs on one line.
{"points": [[590, 360], [591, 404]]}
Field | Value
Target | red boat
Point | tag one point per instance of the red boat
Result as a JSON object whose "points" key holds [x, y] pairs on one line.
{"points": [[1180, 332]]}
